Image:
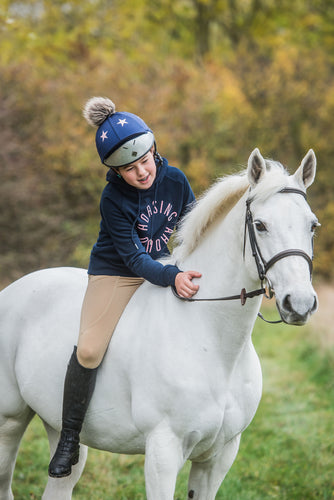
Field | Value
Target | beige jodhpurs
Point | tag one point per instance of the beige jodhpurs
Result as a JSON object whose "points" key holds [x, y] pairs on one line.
{"points": [[104, 302]]}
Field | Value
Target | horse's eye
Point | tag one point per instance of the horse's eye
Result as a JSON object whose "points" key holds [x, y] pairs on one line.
{"points": [[260, 226], [315, 225]]}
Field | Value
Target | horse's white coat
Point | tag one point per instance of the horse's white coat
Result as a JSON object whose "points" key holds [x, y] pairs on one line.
{"points": [[180, 380]]}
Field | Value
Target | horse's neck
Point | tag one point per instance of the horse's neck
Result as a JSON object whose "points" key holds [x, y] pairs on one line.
{"points": [[219, 257]]}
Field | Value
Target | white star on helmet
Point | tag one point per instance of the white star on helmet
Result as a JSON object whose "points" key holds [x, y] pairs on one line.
{"points": [[104, 135], [121, 122]]}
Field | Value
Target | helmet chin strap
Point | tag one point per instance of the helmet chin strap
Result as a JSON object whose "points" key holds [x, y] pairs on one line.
{"points": [[157, 156], [116, 172]]}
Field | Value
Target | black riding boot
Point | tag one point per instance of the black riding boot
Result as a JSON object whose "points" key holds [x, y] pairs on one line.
{"points": [[78, 389]]}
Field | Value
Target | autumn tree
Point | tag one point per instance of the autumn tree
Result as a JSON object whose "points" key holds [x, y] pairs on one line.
{"points": [[213, 79]]}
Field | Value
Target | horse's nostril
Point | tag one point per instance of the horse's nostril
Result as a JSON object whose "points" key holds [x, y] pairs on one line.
{"points": [[287, 303], [315, 304]]}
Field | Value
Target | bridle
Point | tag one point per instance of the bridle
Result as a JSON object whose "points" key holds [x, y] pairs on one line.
{"points": [[262, 265]]}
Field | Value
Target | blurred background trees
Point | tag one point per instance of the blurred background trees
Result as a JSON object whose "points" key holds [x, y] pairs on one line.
{"points": [[213, 79]]}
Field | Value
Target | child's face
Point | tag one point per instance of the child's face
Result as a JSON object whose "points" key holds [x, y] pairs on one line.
{"points": [[141, 173]]}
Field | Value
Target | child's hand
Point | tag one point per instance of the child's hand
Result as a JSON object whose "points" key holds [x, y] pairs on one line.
{"points": [[184, 285]]}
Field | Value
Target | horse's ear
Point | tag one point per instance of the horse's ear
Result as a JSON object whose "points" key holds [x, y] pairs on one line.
{"points": [[256, 167], [306, 172]]}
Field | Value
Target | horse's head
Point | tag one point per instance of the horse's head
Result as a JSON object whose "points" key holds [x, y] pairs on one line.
{"points": [[282, 226]]}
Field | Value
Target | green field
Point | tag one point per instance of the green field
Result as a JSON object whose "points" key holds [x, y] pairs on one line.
{"points": [[287, 452]]}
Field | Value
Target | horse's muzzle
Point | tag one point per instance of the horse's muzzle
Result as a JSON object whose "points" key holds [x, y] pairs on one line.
{"points": [[295, 311]]}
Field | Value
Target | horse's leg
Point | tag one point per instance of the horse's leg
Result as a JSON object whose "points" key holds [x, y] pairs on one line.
{"points": [[61, 488], [11, 432], [206, 477], [163, 460]]}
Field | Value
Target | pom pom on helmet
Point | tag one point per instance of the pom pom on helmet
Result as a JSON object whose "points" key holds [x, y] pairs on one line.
{"points": [[121, 137], [97, 110]]}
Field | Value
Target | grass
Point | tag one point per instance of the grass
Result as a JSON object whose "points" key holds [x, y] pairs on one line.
{"points": [[287, 453]]}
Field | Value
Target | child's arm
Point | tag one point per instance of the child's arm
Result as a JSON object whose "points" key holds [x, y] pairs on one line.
{"points": [[133, 254], [129, 247]]}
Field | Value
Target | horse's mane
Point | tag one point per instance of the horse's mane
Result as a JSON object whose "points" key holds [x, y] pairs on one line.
{"points": [[217, 202], [214, 203]]}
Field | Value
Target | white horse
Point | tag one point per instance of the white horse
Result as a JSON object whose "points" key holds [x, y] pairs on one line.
{"points": [[180, 380]]}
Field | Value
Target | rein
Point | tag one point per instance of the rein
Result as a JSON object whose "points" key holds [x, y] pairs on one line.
{"points": [[243, 296], [262, 265]]}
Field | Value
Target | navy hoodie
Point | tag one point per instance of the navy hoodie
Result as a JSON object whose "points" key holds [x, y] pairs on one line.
{"points": [[136, 225]]}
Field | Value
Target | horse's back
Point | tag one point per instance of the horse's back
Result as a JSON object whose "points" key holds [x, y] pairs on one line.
{"points": [[38, 299], [39, 321]]}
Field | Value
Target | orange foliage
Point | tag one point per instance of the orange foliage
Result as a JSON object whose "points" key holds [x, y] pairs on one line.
{"points": [[270, 87]]}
